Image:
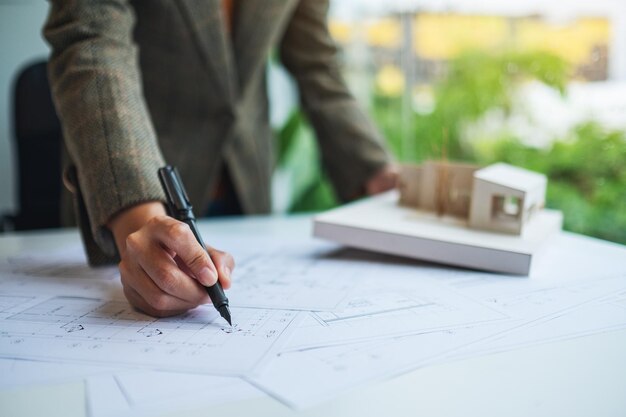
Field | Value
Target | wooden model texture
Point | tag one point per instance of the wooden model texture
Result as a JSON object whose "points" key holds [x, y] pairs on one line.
{"points": [[498, 198]]}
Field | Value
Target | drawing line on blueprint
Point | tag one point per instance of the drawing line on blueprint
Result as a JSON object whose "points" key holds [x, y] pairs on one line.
{"points": [[290, 278], [371, 305], [104, 331], [77, 314]]}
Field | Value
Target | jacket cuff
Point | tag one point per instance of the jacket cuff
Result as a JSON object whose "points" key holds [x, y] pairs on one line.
{"points": [[97, 238], [351, 178]]}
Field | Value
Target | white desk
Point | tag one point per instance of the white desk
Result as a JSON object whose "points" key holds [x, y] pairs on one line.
{"points": [[580, 377]]}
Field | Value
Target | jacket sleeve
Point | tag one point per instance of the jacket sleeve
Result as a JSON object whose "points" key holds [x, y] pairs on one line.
{"points": [[351, 147], [96, 87]]}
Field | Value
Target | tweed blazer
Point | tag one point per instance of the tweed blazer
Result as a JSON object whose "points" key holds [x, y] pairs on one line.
{"points": [[138, 83]]}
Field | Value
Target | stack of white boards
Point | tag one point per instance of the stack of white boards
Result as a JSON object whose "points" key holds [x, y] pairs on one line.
{"points": [[379, 224]]}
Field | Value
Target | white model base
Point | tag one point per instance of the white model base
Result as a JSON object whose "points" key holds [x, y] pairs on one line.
{"points": [[380, 224]]}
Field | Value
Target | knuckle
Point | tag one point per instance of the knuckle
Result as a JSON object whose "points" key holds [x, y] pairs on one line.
{"points": [[133, 242], [179, 231], [155, 221], [198, 259], [166, 279], [160, 302]]}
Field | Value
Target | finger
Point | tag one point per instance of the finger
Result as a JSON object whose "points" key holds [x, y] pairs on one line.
{"points": [[178, 237], [166, 274], [156, 261], [383, 180], [136, 278], [225, 264], [139, 303], [223, 272]]}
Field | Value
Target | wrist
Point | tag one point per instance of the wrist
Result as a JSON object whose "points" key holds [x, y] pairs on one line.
{"points": [[132, 219]]}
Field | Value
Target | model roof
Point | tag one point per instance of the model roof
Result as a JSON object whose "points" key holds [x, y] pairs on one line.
{"points": [[511, 177]]}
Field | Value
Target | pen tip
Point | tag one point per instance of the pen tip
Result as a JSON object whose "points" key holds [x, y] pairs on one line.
{"points": [[225, 312]]}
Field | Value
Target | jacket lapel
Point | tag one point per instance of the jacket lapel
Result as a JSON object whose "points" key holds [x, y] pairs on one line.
{"points": [[206, 21], [257, 24], [233, 63]]}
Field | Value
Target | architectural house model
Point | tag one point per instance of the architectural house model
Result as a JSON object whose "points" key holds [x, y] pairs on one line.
{"points": [[448, 214], [500, 198]]}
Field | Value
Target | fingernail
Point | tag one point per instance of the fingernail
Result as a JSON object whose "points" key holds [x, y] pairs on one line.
{"points": [[207, 276]]}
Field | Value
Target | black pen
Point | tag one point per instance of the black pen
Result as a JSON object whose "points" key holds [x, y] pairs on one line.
{"points": [[179, 207]]}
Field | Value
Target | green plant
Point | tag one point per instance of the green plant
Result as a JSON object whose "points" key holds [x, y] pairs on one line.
{"points": [[476, 82], [587, 176], [298, 157]]}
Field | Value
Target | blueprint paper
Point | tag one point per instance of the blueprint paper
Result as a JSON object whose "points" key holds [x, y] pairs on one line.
{"points": [[590, 318], [98, 331], [370, 316], [537, 310], [307, 377], [304, 378], [60, 271], [66, 263], [149, 393], [19, 372], [119, 392], [297, 276], [533, 299]]}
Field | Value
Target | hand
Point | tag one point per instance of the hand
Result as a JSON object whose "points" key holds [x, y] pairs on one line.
{"points": [[163, 268], [384, 180]]}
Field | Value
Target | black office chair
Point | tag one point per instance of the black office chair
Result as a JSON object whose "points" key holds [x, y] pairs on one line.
{"points": [[38, 147]]}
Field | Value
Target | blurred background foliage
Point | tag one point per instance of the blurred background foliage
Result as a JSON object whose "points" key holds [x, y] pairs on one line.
{"points": [[586, 168], [587, 176]]}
